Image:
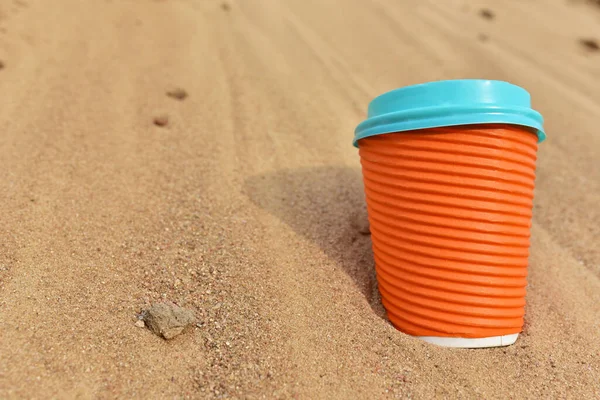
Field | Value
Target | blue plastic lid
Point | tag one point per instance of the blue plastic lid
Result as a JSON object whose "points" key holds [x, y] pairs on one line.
{"points": [[450, 103]]}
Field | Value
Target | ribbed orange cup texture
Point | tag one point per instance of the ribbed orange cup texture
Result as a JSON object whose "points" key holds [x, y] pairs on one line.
{"points": [[450, 212]]}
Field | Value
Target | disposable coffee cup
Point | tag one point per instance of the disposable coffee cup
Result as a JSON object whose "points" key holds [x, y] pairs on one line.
{"points": [[449, 171]]}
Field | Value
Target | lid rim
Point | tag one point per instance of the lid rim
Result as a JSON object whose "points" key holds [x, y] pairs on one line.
{"points": [[400, 122], [449, 103]]}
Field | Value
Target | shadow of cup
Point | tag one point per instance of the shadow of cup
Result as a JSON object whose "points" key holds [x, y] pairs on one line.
{"points": [[325, 205]]}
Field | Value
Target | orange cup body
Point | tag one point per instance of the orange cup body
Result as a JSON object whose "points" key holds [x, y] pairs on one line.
{"points": [[450, 213]]}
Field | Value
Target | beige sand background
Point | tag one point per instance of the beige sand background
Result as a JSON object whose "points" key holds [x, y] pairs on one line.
{"points": [[240, 208]]}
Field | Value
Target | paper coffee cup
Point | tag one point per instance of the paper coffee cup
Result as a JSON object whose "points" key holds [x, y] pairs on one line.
{"points": [[449, 171]]}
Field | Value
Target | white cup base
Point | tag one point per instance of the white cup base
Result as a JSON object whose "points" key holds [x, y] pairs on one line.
{"points": [[471, 343]]}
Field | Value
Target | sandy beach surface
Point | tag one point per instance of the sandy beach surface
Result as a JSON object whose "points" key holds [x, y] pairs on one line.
{"points": [[241, 200]]}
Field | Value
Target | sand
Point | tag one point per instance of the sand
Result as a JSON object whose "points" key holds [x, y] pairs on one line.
{"points": [[240, 207]]}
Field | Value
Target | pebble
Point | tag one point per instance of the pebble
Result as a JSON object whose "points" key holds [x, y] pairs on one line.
{"points": [[590, 44], [162, 120], [487, 14], [360, 222], [177, 94], [140, 323], [168, 320]]}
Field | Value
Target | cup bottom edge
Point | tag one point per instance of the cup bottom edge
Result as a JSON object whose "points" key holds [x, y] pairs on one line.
{"points": [[471, 343]]}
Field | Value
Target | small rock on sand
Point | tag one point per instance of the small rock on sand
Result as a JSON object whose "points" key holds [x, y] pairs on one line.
{"points": [[168, 320], [487, 13], [161, 120], [177, 94], [140, 323], [590, 44], [360, 222]]}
